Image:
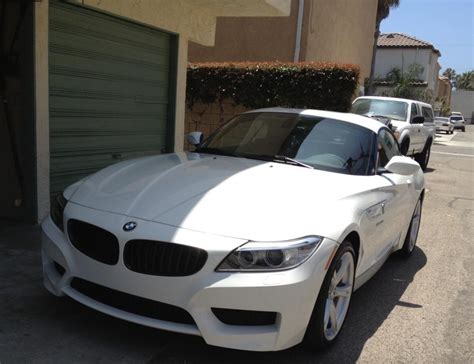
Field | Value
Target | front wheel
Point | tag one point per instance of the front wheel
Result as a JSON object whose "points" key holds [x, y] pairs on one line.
{"points": [[424, 157], [333, 301], [412, 234]]}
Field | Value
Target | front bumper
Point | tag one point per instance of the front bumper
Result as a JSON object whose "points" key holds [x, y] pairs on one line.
{"points": [[291, 293]]}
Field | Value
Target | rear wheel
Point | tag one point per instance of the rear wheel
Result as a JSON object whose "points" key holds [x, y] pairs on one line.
{"points": [[464, 128], [424, 157], [333, 301], [412, 234]]}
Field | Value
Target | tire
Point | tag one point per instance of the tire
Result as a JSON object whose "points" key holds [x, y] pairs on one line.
{"points": [[404, 147], [412, 233], [464, 129], [424, 157], [321, 332]]}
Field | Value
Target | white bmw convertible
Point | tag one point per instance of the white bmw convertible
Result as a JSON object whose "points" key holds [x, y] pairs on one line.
{"points": [[255, 241]]}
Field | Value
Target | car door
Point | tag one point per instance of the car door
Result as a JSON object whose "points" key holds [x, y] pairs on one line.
{"points": [[386, 218], [416, 135], [428, 124]]}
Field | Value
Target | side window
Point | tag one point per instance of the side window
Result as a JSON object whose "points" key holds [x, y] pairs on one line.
{"points": [[428, 114], [414, 111], [387, 147]]}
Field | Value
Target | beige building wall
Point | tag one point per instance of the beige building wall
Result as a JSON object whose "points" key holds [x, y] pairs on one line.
{"points": [[340, 31], [336, 31], [250, 39]]}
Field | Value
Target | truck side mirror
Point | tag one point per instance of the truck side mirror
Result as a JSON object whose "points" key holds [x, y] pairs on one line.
{"points": [[418, 119]]}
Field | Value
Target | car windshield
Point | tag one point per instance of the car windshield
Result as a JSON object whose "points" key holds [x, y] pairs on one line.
{"points": [[396, 110], [305, 141], [441, 119], [456, 117]]}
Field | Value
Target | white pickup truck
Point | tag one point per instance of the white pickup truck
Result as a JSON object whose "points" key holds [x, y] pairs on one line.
{"points": [[412, 123]]}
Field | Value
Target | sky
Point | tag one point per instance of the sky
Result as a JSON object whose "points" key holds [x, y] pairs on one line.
{"points": [[447, 24]]}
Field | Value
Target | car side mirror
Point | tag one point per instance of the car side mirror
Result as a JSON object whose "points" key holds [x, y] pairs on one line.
{"points": [[418, 119], [402, 165], [195, 138]]}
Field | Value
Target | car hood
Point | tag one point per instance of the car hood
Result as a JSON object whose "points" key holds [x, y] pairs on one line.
{"points": [[237, 197]]}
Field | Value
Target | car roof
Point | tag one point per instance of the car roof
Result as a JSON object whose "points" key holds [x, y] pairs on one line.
{"points": [[360, 120], [392, 99]]}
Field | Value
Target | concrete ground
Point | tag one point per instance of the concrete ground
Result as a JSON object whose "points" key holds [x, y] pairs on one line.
{"points": [[420, 310]]}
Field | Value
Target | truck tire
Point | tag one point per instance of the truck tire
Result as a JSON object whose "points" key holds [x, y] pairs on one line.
{"points": [[404, 146], [424, 157]]}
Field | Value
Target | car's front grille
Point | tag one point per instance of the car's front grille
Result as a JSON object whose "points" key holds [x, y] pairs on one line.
{"points": [[163, 259], [244, 317], [93, 241], [132, 304]]}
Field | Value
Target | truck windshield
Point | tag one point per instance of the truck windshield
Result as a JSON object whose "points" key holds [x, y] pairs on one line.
{"points": [[396, 110]]}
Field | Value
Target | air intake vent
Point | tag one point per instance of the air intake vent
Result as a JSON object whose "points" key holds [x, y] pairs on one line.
{"points": [[93, 241], [244, 317], [163, 259], [132, 304]]}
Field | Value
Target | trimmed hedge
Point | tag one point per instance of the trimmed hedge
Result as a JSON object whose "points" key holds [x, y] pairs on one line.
{"points": [[326, 86]]}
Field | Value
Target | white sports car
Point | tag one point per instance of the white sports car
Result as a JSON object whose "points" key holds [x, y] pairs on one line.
{"points": [[255, 241]]}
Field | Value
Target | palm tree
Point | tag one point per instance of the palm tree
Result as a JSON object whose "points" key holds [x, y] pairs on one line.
{"points": [[383, 10]]}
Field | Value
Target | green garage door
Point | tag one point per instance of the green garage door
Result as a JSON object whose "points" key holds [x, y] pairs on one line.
{"points": [[110, 84]]}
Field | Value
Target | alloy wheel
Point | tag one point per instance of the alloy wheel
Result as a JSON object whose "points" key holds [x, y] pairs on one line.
{"points": [[339, 296]]}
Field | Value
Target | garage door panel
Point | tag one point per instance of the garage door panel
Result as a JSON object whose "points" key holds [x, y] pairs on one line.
{"points": [[67, 145], [106, 108], [74, 19], [105, 55], [79, 66], [109, 91], [114, 126]]}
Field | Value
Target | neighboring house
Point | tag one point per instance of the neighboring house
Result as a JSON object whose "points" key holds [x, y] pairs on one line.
{"points": [[397, 50], [463, 101], [443, 95], [87, 83], [317, 30]]}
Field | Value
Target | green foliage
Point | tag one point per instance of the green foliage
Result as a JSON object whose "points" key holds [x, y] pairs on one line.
{"points": [[256, 85], [406, 84], [383, 9], [450, 73], [465, 81]]}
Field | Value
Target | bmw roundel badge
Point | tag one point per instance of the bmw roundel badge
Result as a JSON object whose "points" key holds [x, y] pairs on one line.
{"points": [[129, 226]]}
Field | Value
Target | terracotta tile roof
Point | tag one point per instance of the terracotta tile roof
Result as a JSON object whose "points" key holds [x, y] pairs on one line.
{"points": [[400, 40]]}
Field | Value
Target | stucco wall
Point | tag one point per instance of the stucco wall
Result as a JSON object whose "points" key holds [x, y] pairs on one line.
{"points": [[340, 31], [388, 58], [463, 101], [250, 39], [327, 35]]}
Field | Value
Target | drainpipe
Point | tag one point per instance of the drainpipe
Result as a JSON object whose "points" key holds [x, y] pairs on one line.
{"points": [[299, 26]]}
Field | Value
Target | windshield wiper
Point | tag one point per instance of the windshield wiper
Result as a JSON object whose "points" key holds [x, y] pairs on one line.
{"points": [[285, 159]]}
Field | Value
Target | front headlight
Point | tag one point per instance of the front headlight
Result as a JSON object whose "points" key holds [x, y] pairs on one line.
{"points": [[57, 210], [270, 256]]}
